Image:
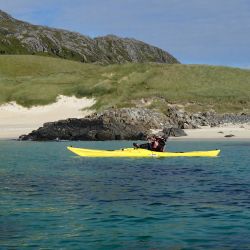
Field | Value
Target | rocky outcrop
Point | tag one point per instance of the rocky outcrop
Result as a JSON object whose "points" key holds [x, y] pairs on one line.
{"points": [[186, 120], [80, 129], [242, 118], [119, 124], [122, 124], [17, 37], [130, 124]]}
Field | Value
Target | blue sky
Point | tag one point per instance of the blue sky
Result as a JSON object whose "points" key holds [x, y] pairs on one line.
{"points": [[194, 31]]}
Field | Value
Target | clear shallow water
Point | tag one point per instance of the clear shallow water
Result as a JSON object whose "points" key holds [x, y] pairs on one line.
{"points": [[51, 199]]}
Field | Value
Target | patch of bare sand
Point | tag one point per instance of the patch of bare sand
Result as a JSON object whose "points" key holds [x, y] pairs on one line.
{"points": [[16, 120], [228, 131]]}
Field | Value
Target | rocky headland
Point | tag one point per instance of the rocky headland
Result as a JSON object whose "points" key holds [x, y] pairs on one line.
{"points": [[130, 124]]}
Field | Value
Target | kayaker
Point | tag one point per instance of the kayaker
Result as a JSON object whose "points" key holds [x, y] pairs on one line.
{"points": [[155, 143]]}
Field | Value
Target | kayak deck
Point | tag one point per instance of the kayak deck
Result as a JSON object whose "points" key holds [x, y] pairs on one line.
{"points": [[139, 152]]}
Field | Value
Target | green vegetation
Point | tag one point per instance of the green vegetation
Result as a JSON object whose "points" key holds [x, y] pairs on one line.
{"points": [[11, 46], [32, 80]]}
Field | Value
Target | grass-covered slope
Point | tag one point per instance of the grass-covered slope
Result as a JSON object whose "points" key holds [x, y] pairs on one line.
{"points": [[32, 80]]}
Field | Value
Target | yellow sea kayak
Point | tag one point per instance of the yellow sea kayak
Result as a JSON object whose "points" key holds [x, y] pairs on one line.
{"points": [[139, 152]]}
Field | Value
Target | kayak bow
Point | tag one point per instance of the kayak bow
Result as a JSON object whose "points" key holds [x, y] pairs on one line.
{"points": [[139, 152]]}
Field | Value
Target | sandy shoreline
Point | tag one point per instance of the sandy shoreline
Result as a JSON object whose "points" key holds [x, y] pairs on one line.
{"points": [[16, 120], [218, 133], [224, 132]]}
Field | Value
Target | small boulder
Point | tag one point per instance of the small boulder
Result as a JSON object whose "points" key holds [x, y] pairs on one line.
{"points": [[230, 135]]}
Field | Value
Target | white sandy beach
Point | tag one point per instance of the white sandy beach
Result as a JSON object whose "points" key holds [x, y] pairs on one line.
{"points": [[241, 132], [16, 120]]}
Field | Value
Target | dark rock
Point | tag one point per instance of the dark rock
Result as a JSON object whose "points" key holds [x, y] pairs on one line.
{"points": [[113, 124], [186, 120], [229, 135], [128, 124], [233, 118], [175, 132]]}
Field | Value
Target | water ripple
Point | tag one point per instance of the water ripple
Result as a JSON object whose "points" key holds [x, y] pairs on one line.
{"points": [[52, 200]]}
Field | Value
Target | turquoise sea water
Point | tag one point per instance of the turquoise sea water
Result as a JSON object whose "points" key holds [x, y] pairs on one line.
{"points": [[51, 199]]}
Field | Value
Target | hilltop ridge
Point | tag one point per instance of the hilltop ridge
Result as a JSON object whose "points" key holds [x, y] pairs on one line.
{"points": [[18, 37]]}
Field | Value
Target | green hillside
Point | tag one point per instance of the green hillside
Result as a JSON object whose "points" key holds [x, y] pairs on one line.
{"points": [[32, 80]]}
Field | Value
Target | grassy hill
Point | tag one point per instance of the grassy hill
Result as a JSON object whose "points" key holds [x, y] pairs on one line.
{"points": [[32, 80]]}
